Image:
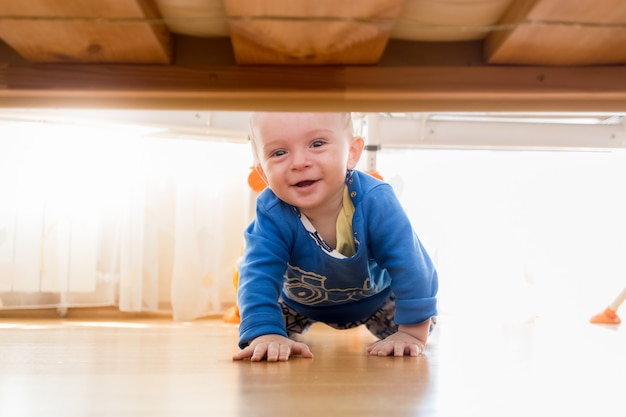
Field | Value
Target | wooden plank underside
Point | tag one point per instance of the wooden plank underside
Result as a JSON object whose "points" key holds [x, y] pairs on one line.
{"points": [[350, 88], [320, 32], [561, 32], [84, 31], [447, 20]]}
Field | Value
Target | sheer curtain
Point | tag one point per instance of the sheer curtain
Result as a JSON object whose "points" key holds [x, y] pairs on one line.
{"points": [[109, 216]]}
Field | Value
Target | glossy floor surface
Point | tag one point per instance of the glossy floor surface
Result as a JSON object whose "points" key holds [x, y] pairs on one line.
{"points": [[155, 367]]}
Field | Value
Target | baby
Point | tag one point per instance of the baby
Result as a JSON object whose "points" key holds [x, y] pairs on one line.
{"points": [[329, 244]]}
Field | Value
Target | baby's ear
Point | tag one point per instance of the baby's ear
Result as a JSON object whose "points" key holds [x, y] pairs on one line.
{"points": [[260, 171], [356, 149]]}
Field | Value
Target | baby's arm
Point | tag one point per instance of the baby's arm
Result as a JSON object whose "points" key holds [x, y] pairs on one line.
{"points": [[274, 348], [409, 340]]}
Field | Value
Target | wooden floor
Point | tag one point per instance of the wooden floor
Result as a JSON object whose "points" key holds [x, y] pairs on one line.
{"points": [[154, 367]]}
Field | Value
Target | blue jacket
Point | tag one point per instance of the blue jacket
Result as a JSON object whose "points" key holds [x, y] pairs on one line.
{"points": [[281, 260]]}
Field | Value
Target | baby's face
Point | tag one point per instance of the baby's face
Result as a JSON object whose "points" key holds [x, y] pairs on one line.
{"points": [[303, 157]]}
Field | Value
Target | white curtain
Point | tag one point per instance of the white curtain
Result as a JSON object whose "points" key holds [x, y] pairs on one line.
{"points": [[109, 216]]}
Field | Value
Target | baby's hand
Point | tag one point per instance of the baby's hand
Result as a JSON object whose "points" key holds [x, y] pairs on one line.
{"points": [[274, 348], [398, 344]]}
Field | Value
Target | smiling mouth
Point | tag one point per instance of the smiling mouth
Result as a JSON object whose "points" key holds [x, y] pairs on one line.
{"points": [[303, 184]]}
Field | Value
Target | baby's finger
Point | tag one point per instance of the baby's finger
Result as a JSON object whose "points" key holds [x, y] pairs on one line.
{"points": [[398, 349], [374, 348], [301, 349], [384, 349], [244, 353], [283, 353], [260, 351], [415, 350], [273, 350]]}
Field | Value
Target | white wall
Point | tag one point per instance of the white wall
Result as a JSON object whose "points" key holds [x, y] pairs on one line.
{"points": [[518, 234]]}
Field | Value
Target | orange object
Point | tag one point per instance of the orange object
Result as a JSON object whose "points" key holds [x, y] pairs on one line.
{"points": [[232, 314], [255, 181], [375, 174], [608, 316]]}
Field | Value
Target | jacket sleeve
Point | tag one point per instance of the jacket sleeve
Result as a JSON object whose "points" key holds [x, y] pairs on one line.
{"points": [[396, 247], [261, 272]]}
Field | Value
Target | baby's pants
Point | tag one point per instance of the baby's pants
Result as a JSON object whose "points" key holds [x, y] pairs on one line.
{"points": [[380, 324]]}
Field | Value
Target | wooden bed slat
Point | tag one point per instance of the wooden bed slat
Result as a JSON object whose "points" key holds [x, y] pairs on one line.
{"points": [[561, 32], [322, 32], [85, 31]]}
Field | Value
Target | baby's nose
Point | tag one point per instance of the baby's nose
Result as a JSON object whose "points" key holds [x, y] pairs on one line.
{"points": [[300, 160]]}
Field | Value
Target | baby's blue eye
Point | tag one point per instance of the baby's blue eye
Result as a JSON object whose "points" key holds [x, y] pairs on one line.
{"points": [[317, 143], [278, 153]]}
